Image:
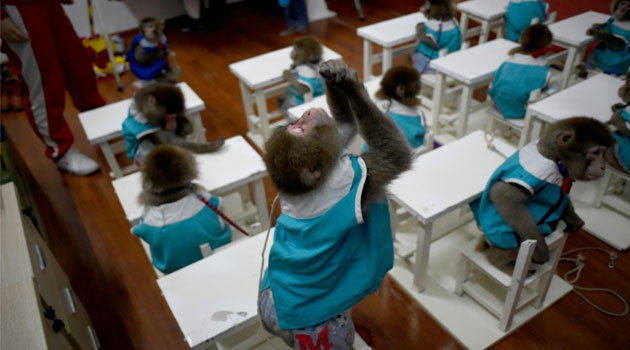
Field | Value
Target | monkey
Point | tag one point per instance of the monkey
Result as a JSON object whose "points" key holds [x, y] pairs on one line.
{"points": [[619, 155], [148, 53], [519, 15], [332, 242], [528, 193], [303, 77], [176, 219], [400, 85], [440, 31], [156, 117], [612, 54], [523, 73]]}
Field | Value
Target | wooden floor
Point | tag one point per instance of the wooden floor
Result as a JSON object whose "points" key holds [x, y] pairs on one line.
{"points": [[87, 231]]}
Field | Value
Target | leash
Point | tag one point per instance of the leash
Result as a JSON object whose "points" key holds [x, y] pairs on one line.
{"points": [[223, 216]]}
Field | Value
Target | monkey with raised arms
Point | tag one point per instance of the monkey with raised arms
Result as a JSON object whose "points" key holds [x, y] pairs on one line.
{"points": [[527, 195], [519, 15], [612, 54], [333, 241], [400, 86], [176, 219], [441, 30], [303, 76], [619, 155], [524, 72], [156, 117], [148, 53]]}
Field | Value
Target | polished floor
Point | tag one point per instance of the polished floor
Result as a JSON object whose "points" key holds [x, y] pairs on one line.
{"points": [[88, 233]]}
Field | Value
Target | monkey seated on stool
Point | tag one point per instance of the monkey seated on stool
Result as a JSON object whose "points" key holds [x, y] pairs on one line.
{"points": [[400, 86], [619, 155], [303, 77], [148, 54], [175, 221], [612, 54], [156, 117], [527, 195], [524, 72], [440, 31], [333, 241]]}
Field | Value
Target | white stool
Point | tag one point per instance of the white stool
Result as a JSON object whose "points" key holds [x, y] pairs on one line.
{"points": [[614, 202], [515, 284], [497, 117]]}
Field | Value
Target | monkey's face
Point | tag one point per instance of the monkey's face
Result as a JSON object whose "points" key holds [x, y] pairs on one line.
{"points": [[170, 122], [621, 10], [151, 31], [588, 165], [310, 122]]}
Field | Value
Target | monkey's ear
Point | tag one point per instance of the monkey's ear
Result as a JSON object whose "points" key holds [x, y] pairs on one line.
{"points": [[400, 90], [565, 137], [151, 101], [309, 177]]}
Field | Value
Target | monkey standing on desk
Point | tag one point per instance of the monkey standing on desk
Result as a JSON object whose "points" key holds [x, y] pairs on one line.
{"points": [[619, 155], [612, 54], [440, 31], [176, 219], [333, 241], [156, 117], [303, 77], [148, 53], [528, 193]]}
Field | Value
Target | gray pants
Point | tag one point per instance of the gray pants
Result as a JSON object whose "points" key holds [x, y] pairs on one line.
{"points": [[336, 333]]}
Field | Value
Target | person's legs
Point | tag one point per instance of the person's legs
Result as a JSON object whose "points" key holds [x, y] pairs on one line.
{"points": [[296, 17]]}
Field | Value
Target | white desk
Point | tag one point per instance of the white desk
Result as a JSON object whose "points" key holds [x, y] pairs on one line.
{"points": [[592, 98], [444, 180], [571, 34], [263, 76], [236, 164], [486, 12], [473, 68], [216, 297], [388, 34], [104, 124]]}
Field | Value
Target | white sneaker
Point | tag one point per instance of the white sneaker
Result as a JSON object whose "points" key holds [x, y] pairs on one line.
{"points": [[77, 163]]}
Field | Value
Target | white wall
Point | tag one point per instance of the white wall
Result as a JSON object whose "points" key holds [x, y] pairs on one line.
{"points": [[120, 15]]}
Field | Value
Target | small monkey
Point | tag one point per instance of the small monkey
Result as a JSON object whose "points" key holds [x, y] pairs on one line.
{"points": [[156, 117], [175, 220], [148, 53], [401, 85], [303, 77], [619, 155], [612, 54], [522, 73], [519, 15], [528, 193], [441, 30]]}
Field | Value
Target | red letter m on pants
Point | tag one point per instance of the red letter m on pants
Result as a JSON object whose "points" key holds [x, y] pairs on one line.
{"points": [[306, 343]]}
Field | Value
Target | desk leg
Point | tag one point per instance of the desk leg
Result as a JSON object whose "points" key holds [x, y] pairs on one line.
{"points": [[463, 25], [423, 245], [114, 168], [527, 125], [438, 94], [485, 30], [568, 67], [464, 109], [261, 104], [367, 60], [388, 57], [248, 102], [261, 203]]}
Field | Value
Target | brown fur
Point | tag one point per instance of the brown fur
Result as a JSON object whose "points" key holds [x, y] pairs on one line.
{"points": [[167, 174], [535, 37], [441, 10], [404, 75], [599, 32], [308, 50]]}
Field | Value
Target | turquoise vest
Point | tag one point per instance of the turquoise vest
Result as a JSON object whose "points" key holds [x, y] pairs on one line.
{"points": [[614, 61], [308, 75], [519, 15], [133, 129], [446, 34]]}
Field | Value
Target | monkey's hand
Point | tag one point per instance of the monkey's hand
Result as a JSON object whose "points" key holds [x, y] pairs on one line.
{"points": [[287, 74], [293, 81], [599, 32], [617, 106], [338, 75], [423, 37], [211, 146], [571, 218]]}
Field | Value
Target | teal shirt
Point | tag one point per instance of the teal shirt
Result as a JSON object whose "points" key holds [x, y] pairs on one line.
{"points": [[519, 15], [622, 142], [308, 75], [614, 61], [446, 35], [326, 255], [134, 128], [174, 231], [513, 82], [536, 174], [410, 121]]}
